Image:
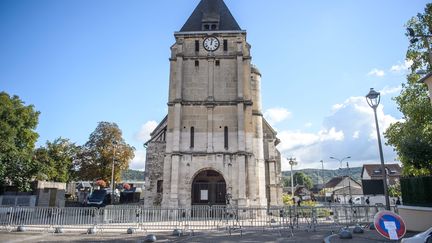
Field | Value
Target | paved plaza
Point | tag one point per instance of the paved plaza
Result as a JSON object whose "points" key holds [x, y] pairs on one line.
{"points": [[211, 236]]}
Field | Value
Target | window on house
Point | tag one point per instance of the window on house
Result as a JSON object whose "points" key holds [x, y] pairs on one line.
{"points": [[217, 62], [196, 63], [214, 27], [159, 186], [206, 27], [225, 45], [377, 171], [226, 137], [197, 45]]}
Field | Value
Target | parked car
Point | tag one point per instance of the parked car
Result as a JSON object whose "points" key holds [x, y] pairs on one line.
{"points": [[424, 237], [99, 198]]}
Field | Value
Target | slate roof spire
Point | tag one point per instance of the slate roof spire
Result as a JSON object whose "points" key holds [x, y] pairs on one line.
{"points": [[211, 15]]}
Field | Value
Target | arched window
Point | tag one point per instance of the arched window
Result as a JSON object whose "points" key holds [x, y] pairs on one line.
{"points": [[192, 137], [226, 137]]}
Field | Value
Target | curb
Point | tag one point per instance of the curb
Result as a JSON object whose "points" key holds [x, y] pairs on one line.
{"points": [[327, 239]]}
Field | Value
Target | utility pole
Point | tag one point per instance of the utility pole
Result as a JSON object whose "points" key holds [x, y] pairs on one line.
{"points": [[292, 162], [322, 178], [112, 172], [349, 180]]}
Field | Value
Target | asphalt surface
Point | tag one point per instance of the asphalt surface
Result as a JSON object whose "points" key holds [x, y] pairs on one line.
{"points": [[207, 237]]}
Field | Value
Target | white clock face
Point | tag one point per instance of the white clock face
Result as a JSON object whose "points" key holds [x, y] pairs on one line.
{"points": [[211, 43]]}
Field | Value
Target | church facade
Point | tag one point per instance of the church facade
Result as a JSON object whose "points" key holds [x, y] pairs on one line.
{"points": [[214, 147]]}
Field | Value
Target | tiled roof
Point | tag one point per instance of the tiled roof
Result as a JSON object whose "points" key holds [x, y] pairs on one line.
{"points": [[374, 170], [333, 182], [211, 10]]}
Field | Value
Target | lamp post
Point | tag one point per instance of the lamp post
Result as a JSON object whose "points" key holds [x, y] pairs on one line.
{"points": [[112, 172], [349, 181], [340, 167], [292, 162], [373, 98], [322, 178]]}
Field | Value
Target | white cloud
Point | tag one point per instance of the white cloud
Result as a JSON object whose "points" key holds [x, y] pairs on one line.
{"points": [[276, 115], [144, 133], [390, 90], [336, 107], [402, 67], [138, 162], [294, 139], [376, 72], [349, 130], [356, 134]]}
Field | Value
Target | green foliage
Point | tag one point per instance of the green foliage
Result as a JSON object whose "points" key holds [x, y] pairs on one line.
{"points": [[395, 190], [17, 139], [416, 191], [317, 175], [412, 137], [105, 145], [301, 178], [132, 175], [56, 160], [309, 203], [287, 200]]}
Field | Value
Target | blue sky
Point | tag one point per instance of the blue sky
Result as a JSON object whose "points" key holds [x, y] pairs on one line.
{"points": [[80, 62]]}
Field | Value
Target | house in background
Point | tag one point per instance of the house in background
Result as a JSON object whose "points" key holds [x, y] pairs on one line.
{"points": [[339, 188], [374, 172], [372, 183], [316, 189]]}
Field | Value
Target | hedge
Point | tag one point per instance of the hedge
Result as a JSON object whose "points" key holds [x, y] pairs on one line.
{"points": [[417, 191]]}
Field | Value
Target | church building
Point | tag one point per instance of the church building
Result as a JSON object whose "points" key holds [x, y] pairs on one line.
{"points": [[214, 147]]}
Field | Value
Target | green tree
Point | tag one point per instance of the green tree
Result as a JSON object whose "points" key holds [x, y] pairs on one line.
{"points": [[105, 145], [56, 160], [286, 181], [301, 178], [412, 137], [287, 199], [395, 190], [17, 140]]}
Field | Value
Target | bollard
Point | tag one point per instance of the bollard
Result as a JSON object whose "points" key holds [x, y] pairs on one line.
{"points": [[21, 228], [358, 229], [130, 231], [345, 234], [177, 232], [58, 230], [150, 238], [91, 231]]}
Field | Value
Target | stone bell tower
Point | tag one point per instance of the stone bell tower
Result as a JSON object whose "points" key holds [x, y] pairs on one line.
{"points": [[216, 142]]}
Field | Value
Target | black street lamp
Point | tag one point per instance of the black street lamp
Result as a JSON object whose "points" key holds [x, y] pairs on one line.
{"points": [[373, 99]]}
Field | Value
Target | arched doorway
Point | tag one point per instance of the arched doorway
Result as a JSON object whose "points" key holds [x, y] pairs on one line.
{"points": [[208, 188]]}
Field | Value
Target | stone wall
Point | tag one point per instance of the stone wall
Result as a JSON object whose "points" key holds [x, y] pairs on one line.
{"points": [[50, 194], [154, 172]]}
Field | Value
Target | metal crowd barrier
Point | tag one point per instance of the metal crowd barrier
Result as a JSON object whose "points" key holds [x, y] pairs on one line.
{"points": [[229, 218]]}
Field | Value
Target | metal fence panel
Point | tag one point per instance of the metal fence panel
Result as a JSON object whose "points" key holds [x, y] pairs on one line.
{"points": [[192, 218]]}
